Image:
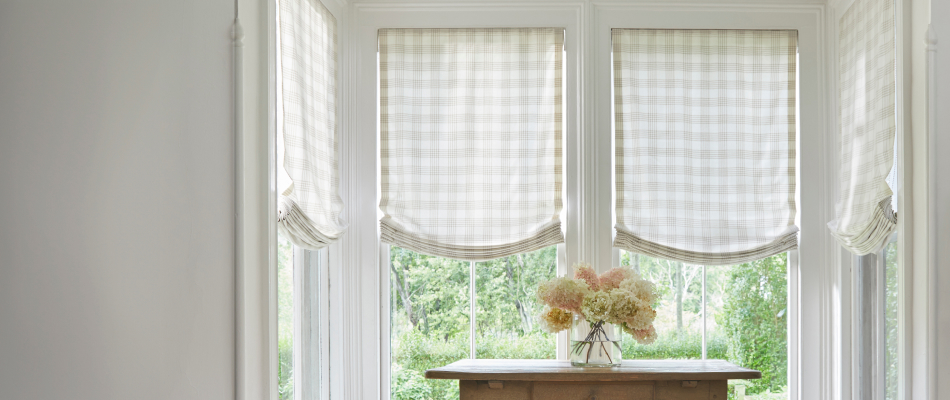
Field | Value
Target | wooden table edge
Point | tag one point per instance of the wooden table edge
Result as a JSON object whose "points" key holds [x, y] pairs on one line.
{"points": [[586, 375]]}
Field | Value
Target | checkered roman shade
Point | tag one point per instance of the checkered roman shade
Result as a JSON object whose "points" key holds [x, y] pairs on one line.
{"points": [[309, 211], [470, 140], [705, 143], [866, 51]]}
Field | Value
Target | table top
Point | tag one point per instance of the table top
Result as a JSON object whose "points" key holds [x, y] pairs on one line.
{"points": [[561, 370]]}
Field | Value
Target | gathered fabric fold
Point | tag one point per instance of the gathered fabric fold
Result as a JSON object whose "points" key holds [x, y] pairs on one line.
{"points": [[865, 217], [309, 211], [873, 236], [630, 242], [548, 236], [296, 226]]}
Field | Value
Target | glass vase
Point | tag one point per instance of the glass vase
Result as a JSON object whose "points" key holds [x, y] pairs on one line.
{"points": [[595, 343]]}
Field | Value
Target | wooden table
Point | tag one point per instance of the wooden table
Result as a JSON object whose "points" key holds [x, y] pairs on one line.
{"points": [[558, 380]]}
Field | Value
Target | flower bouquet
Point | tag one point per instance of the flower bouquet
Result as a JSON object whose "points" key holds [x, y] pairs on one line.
{"points": [[597, 308]]}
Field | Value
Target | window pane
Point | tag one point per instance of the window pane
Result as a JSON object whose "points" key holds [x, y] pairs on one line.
{"points": [[285, 318], [508, 307], [890, 321], [678, 315], [747, 320], [429, 322], [748, 311]]}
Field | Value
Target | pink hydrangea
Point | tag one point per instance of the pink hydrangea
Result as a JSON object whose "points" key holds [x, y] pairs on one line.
{"points": [[644, 336], [564, 293], [586, 273], [611, 279]]}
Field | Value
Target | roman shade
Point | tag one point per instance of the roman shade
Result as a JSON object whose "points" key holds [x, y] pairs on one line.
{"points": [[470, 140], [866, 49], [309, 210], [705, 143]]}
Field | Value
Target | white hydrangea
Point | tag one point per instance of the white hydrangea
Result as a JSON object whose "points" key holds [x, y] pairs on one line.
{"points": [[596, 306], [641, 288]]}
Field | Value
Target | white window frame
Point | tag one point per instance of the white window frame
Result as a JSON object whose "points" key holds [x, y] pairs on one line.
{"points": [[813, 281], [311, 336], [812, 269]]}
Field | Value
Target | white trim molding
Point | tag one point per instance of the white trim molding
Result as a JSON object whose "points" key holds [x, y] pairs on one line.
{"points": [[255, 219], [237, 40], [932, 213]]}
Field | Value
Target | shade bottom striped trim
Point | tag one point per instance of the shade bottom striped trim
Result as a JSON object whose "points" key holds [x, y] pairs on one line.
{"points": [[547, 236], [873, 236], [630, 242], [293, 223]]}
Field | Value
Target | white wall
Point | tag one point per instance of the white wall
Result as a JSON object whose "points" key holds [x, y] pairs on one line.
{"points": [[940, 19], [116, 247]]}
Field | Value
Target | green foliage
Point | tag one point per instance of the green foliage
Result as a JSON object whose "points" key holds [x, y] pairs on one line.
{"points": [[413, 352], [429, 294], [506, 292], [677, 346], [285, 376], [409, 384], [285, 319], [754, 319], [767, 394], [430, 315], [890, 320], [533, 345]]}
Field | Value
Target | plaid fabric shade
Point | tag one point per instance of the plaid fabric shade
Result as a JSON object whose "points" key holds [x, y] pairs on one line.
{"points": [[470, 140], [309, 211], [866, 48], [705, 143]]}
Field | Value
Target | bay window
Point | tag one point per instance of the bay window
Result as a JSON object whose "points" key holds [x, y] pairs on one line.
{"points": [[587, 179], [382, 280]]}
